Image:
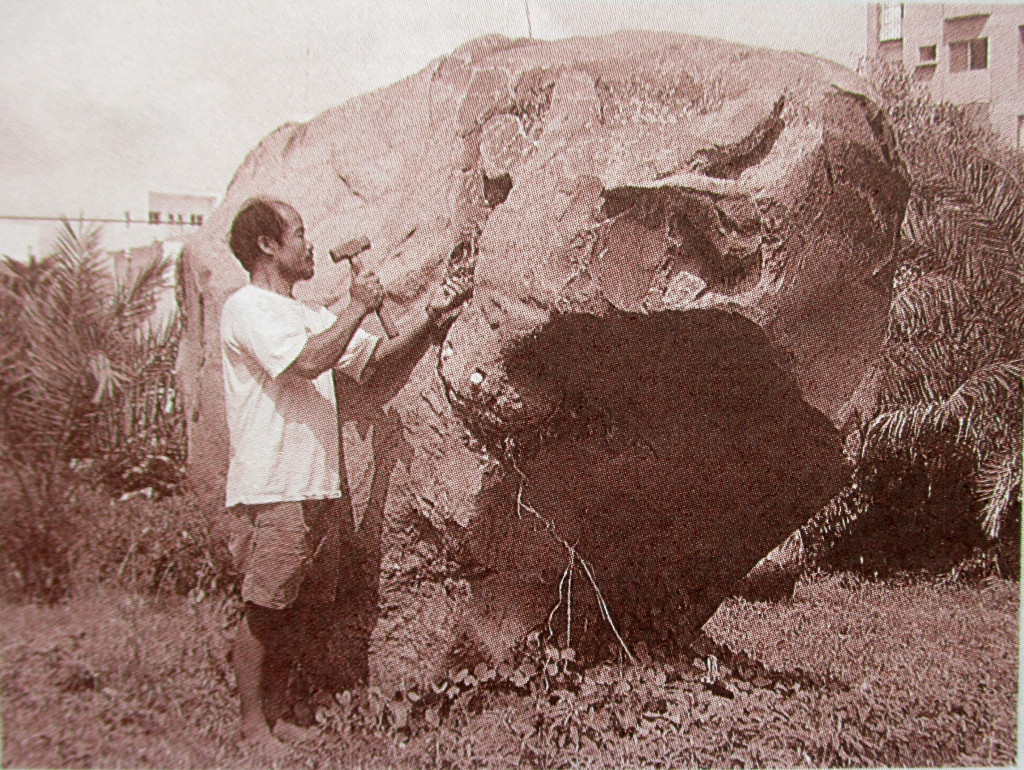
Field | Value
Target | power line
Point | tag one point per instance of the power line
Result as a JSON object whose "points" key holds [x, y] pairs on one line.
{"points": [[122, 220]]}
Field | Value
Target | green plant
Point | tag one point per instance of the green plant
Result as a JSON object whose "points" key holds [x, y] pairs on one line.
{"points": [[941, 460], [85, 395]]}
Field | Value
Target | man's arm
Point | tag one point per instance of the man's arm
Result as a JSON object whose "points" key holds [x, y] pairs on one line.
{"points": [[323, 350], [412, 327]]}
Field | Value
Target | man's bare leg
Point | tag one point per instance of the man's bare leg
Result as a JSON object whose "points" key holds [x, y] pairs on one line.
{"points": [[277, 667], [250, 656]]}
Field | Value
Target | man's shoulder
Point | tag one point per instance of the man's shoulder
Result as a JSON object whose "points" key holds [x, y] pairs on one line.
{"points": [[236, 306], [250, 295], [245, 308], [239, 298], [250, 300]]}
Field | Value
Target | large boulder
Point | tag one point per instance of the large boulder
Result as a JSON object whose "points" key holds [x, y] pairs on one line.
{"points": [[680, 249]]}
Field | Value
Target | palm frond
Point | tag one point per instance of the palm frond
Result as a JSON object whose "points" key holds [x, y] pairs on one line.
{"points": [[999, 488], [972, 411], [995, 190], [136, 300], [906, 428], [80, 286], [933, 303], [990, 389], [958, 236], [73, 246]]}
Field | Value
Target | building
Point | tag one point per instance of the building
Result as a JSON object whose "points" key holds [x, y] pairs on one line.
{"points": [[971, 55], [171, 217], [179, 209]]}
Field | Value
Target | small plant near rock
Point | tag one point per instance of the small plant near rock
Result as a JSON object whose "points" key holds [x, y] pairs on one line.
{"points": [[547, 703]]}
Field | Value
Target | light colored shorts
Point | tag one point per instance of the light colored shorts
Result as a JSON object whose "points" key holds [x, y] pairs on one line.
{"points": [[288, 552]]}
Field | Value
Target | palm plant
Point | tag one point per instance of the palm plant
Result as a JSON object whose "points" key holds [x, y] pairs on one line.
{"points": [[140, 436], [83, 374], [953, 358]]}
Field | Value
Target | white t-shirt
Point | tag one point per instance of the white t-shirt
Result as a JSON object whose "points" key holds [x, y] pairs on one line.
{"points": [[283, 428]]}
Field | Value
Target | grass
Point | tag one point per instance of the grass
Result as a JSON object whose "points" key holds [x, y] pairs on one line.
{"points": [[926, 674], [849, 673]]}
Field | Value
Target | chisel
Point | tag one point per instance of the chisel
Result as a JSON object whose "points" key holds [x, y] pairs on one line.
{"points": [[350, 251]]}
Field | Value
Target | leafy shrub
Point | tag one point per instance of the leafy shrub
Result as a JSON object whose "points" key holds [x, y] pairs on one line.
{"points": [[154, 546], [939, 465], [35, 545], [550, 704], [86, 398]]}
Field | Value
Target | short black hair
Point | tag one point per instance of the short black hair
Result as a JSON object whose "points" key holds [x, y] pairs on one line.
{"points": [[257, 217]]}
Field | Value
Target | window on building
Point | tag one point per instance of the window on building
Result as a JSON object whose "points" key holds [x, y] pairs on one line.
{"points": [[154, 217], [199, 219], [891, 27], [929, 53], [968, 55], [979, 54]]}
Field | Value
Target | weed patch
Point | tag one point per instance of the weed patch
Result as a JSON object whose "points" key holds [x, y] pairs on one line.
{"points": [[847, 673], [150, 546]]}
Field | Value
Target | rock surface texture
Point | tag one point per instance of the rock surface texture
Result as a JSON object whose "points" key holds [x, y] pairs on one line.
{"points": [[680, 249]]}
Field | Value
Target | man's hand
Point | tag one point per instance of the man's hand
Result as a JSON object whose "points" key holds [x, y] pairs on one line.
{"points": [[447, 299], [366, 291], [443, 308], [323, 350]]}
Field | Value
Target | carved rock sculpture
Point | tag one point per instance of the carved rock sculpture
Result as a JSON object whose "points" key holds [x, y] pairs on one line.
{"points": [[680, 249]]}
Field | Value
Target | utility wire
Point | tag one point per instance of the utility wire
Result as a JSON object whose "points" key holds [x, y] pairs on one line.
{"points": [[124, 220]]}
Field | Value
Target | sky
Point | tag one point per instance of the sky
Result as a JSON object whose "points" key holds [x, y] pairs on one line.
{"points": [[105, 100]]}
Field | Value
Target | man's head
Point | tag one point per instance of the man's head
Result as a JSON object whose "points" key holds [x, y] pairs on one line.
{"points": [[271, 233]]}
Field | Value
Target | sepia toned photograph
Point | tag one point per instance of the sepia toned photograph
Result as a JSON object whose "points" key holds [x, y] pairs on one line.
{"points": [[489, 384]]}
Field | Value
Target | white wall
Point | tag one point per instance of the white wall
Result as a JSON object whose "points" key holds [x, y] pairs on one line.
{"points": [[19, 239]]}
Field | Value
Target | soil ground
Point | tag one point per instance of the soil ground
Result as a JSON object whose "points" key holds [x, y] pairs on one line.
{"points": [[914, 673]]}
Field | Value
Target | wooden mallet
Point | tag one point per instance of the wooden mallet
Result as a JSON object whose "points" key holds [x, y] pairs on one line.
{"points": [[350, 251]]}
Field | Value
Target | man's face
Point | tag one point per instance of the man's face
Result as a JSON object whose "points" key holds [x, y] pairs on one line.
{"points": [[293, 256]]}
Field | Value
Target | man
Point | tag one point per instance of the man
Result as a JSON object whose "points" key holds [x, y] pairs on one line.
{"points": [[283, 478]]}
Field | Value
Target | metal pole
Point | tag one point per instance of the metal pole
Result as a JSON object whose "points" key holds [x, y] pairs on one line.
{"points": [[529, 24]]}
